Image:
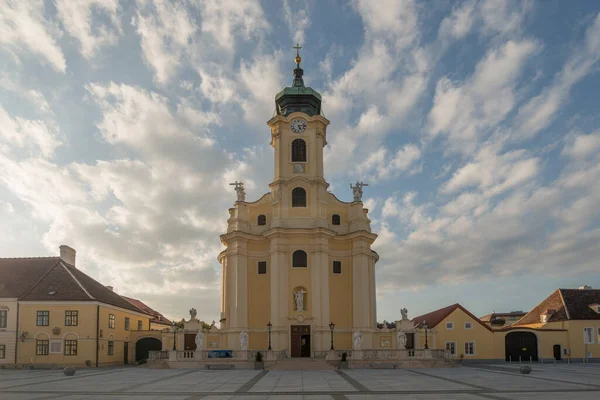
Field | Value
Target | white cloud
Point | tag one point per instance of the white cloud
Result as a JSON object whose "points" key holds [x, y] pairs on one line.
{"points": [[35, 97], [494, 172], [35, 135], [458, 24], [165, 30], [224, 20], [297, 20], [80, 19], [469, 111], [381, 165], [541, 110], [23, 28], [582, 146]]}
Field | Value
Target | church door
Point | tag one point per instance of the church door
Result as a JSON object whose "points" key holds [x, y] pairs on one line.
{"points": [[189, 341], [300, 341]]}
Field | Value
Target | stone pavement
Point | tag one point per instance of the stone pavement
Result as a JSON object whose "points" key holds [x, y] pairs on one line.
{"points": [[498, 381]]}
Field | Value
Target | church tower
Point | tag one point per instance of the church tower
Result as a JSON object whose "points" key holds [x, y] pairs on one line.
{"points": [[298, 257]]}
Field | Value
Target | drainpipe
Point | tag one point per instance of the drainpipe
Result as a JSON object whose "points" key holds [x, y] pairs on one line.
{"points": [[17, 336], [97, 333]]}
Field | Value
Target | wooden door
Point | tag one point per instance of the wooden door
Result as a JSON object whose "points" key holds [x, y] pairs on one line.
{"points": [[300, 340], [296, 345], [189, 342]]}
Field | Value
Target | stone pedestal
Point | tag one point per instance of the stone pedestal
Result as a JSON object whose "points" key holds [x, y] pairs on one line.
{"points": [[270, 355], [198, 355], [357, 354], [243, 355], [172, 355], [332, 356]]}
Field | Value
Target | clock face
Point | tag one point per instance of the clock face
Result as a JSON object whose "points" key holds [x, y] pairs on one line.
{"points": [[298, 168], [298, 125]]}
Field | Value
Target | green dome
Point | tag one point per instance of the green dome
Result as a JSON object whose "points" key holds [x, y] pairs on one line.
{"points": [[298, 98]]}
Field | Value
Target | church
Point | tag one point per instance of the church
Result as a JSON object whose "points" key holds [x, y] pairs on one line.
{"points": [[298, 272]]}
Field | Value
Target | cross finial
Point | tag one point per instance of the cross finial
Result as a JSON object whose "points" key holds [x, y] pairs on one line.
{"points": [[298, 58]]}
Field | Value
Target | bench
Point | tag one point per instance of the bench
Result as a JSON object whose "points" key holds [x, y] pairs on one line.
{"points": [[220, 366]]}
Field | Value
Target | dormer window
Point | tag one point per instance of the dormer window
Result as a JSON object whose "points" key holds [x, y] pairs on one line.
{"points": [[595, 307], [546, 315]]}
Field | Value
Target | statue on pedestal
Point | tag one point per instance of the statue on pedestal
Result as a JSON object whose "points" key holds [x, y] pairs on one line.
{"points": [[357, 339], [244, 340], [239, 189], [199, 341], [357, 190], [299, 299], [404, 313]]}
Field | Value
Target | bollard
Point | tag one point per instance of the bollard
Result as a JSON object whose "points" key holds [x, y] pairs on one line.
{"points": [[569, 360], [509, 359], [555, 361], [519, 359], [530, 359]]}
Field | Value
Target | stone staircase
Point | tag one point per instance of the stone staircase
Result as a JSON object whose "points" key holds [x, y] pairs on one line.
{"points": [[301, 364]]}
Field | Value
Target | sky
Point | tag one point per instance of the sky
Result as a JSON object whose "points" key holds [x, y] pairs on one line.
{"points": [[474, 123]]}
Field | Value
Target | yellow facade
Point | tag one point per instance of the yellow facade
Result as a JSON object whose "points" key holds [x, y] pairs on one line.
{"points": [[93, 331], [8, 332]]}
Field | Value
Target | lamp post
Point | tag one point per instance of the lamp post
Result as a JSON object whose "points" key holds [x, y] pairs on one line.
{"points": [[174, 339], [331, 327], [269, 326], [425, 326]]}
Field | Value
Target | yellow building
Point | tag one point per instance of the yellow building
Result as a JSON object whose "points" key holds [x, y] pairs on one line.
{"points": [[298, 257], [566, 325], [457, 330], [64, 317]]}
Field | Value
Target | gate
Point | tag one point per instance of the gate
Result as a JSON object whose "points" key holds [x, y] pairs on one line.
{"points": [[143, 346], [521, 346]]}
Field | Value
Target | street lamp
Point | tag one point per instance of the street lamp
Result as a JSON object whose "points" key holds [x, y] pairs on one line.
{"points": [[425, 326], [269, 326], [331, 326], [174, 329]]}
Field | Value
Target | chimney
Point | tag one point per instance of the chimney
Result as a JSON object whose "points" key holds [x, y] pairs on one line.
{"points": [[585, 287], [67, 254], [110, 288]]}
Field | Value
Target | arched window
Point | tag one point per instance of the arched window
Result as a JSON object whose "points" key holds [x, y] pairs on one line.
{"points": [[299, 150], [298, 197], [262, 219], [335, 219], [299, 259]]}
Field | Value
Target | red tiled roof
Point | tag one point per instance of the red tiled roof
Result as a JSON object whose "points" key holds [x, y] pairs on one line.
{"points": [[435, 317], [158, 318], [52, 279], [18, 275], [552, 302]]}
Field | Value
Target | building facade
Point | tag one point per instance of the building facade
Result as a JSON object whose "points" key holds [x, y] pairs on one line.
{"points": [[298, 258], [57, 315]]}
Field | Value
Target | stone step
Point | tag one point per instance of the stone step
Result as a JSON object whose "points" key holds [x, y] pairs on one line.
{"points": [[302, 364]]}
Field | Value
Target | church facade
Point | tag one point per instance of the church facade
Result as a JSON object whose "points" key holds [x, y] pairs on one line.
{"points": [[298, 261]]}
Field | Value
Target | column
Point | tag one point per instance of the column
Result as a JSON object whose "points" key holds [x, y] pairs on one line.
{"points": [[319, 274], [360, 284], [279, 264]]}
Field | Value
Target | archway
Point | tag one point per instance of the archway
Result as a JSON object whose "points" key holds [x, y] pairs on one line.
{"points": [[144, 346], [521, 346]]}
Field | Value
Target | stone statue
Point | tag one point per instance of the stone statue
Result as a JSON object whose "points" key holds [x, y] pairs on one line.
{"points": [[299, 299], [357, 190], [239, 189], [244, 340], [404, 313], [357, 339], [199, 341], [193, 314], [401, 338]]}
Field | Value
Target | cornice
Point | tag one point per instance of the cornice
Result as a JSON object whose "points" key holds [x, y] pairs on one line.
{"points": [[297, 114]]}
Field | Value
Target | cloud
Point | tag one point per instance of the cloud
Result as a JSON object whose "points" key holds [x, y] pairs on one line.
{"points": [[466, 112], [81, 20], [24, 29], [34, 135], [493, 172], [381, 165], [165, 30], [540, 111], [583, 146], [298, 21]]}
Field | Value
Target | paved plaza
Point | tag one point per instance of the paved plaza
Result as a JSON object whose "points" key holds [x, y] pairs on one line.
{"points": [[500, 381]]}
